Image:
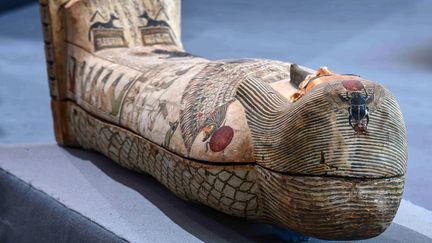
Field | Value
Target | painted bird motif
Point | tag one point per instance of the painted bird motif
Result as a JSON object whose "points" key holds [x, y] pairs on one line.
{"points": [[208, 95]]}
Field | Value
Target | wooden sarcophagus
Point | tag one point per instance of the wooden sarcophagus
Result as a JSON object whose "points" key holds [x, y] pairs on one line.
{"points": [[322, 153]]}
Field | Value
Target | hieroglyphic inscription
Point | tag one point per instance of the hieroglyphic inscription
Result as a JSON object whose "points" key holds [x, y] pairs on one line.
{"points": [[108, 38], [156, 35], [97, 85]]}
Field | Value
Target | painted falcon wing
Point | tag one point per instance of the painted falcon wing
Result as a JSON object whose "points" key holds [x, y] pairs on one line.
{"points": [[207, 92]]}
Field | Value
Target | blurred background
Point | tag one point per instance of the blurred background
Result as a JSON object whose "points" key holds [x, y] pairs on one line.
{"points": [[389, 41]]}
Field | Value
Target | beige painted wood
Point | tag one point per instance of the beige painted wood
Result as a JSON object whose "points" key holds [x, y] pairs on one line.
{"points": [[329, 163]]}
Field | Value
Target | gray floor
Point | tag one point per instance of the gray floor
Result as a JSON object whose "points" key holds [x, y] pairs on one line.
{"points": [[389, 41]]}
